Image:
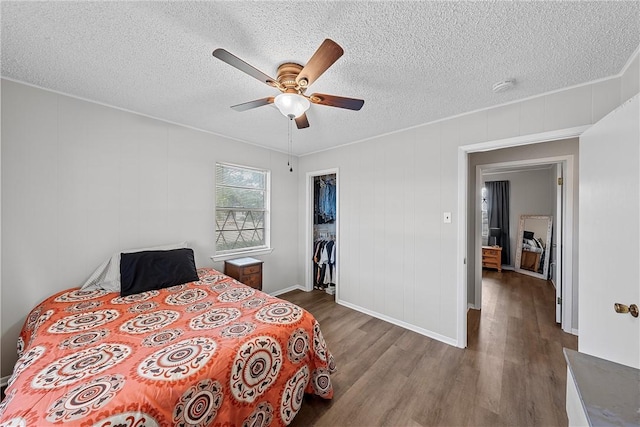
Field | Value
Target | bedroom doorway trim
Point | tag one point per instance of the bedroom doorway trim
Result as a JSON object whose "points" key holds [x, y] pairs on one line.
{"points": [[308, 281], [463, 239]]}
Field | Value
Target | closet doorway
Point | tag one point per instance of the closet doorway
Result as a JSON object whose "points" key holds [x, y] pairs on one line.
{"points": [[322, 232]]}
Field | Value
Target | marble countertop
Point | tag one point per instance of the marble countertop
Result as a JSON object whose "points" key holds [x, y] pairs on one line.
{"points": [[242, 262], [609, 392]]}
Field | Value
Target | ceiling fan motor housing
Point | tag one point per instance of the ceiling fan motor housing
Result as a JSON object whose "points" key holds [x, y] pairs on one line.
{"points": [[287, 74]]}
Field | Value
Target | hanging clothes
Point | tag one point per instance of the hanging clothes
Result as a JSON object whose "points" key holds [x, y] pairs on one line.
{"points": [[324, 200], [330, 260], [324, 260], [318, 271]]}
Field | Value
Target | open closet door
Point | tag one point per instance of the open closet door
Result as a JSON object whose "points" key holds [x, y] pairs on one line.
{"points": [[557, 239], [610, 235]]}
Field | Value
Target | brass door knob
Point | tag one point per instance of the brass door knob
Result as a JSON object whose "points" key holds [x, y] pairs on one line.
{"points": [[621, 308]]}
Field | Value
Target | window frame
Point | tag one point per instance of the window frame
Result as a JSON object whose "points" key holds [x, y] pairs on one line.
{"points": [[221, 255]]}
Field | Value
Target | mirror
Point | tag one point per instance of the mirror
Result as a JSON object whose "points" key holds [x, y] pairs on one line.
{"points": [[534, 244]]}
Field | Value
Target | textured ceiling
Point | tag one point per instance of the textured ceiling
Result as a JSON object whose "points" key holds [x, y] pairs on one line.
{"points": [[412, 62]]}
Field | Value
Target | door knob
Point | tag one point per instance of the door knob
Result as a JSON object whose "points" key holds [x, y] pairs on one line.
{"points": [[621, 308]]}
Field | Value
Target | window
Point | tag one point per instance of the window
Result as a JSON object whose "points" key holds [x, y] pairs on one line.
{"points": [[484, 208], [242, 209]]}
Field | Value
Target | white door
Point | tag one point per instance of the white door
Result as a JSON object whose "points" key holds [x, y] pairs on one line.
{"points": [[557, 245], [610, 235]]}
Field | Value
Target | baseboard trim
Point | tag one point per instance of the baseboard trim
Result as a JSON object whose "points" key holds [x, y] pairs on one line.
{"points": [[4, 381], [471, 306], [421, 331], [285, 290]]}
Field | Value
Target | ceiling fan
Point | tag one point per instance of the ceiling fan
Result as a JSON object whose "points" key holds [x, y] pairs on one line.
{"points": [[293, 80]]}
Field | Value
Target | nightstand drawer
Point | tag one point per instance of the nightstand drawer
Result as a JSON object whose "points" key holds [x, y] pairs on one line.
{"points": [[252, 269], [254, 281]]}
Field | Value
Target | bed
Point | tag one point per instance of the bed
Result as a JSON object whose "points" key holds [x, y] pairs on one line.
{"points": [[207, 352]]}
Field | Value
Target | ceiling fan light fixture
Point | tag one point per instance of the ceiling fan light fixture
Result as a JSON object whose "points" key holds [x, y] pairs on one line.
{"points": [[291, 104]]}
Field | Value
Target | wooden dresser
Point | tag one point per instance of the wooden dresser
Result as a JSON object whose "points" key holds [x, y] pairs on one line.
{"points": [[245, 270], [492, 257]]}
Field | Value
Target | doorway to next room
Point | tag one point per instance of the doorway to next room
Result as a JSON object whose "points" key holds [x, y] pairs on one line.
{"points": [[533, 217], [323, 232]]}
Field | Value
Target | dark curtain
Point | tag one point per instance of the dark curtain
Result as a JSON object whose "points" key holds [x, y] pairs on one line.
{"points": [[498, 212]]}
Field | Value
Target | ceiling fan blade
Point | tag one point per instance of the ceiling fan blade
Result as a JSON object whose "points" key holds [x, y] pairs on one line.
{"points": [[238, 63], [323, 58], [302, 121], [253, 104], [337, 101]]}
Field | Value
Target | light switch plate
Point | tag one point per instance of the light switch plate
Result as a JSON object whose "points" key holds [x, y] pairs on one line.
{"points": [[447, 217]]}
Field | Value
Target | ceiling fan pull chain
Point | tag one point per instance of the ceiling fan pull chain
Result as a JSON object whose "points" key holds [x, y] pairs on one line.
{"points": [[290, 143]]}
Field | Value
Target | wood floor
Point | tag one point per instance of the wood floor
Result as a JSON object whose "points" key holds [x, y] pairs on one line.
{"points": [[512, 373]]}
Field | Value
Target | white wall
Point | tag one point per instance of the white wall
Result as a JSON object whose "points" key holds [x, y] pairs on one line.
{"points": [[1, 375], [530, 195], [396, 258], [81, 181]]}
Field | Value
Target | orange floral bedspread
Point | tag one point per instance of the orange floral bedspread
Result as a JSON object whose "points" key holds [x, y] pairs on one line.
{"points": [[204, 353]]}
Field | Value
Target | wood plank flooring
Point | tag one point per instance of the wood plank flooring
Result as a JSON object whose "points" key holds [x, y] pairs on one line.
{"points": [[512, 373]]}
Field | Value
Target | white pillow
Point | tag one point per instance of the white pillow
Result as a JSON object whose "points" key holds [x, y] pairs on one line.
{"points": [[107, 275]]}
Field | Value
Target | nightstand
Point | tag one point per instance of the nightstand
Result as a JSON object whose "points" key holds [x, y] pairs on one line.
{"points": [[245, 270], [492, 257]]}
